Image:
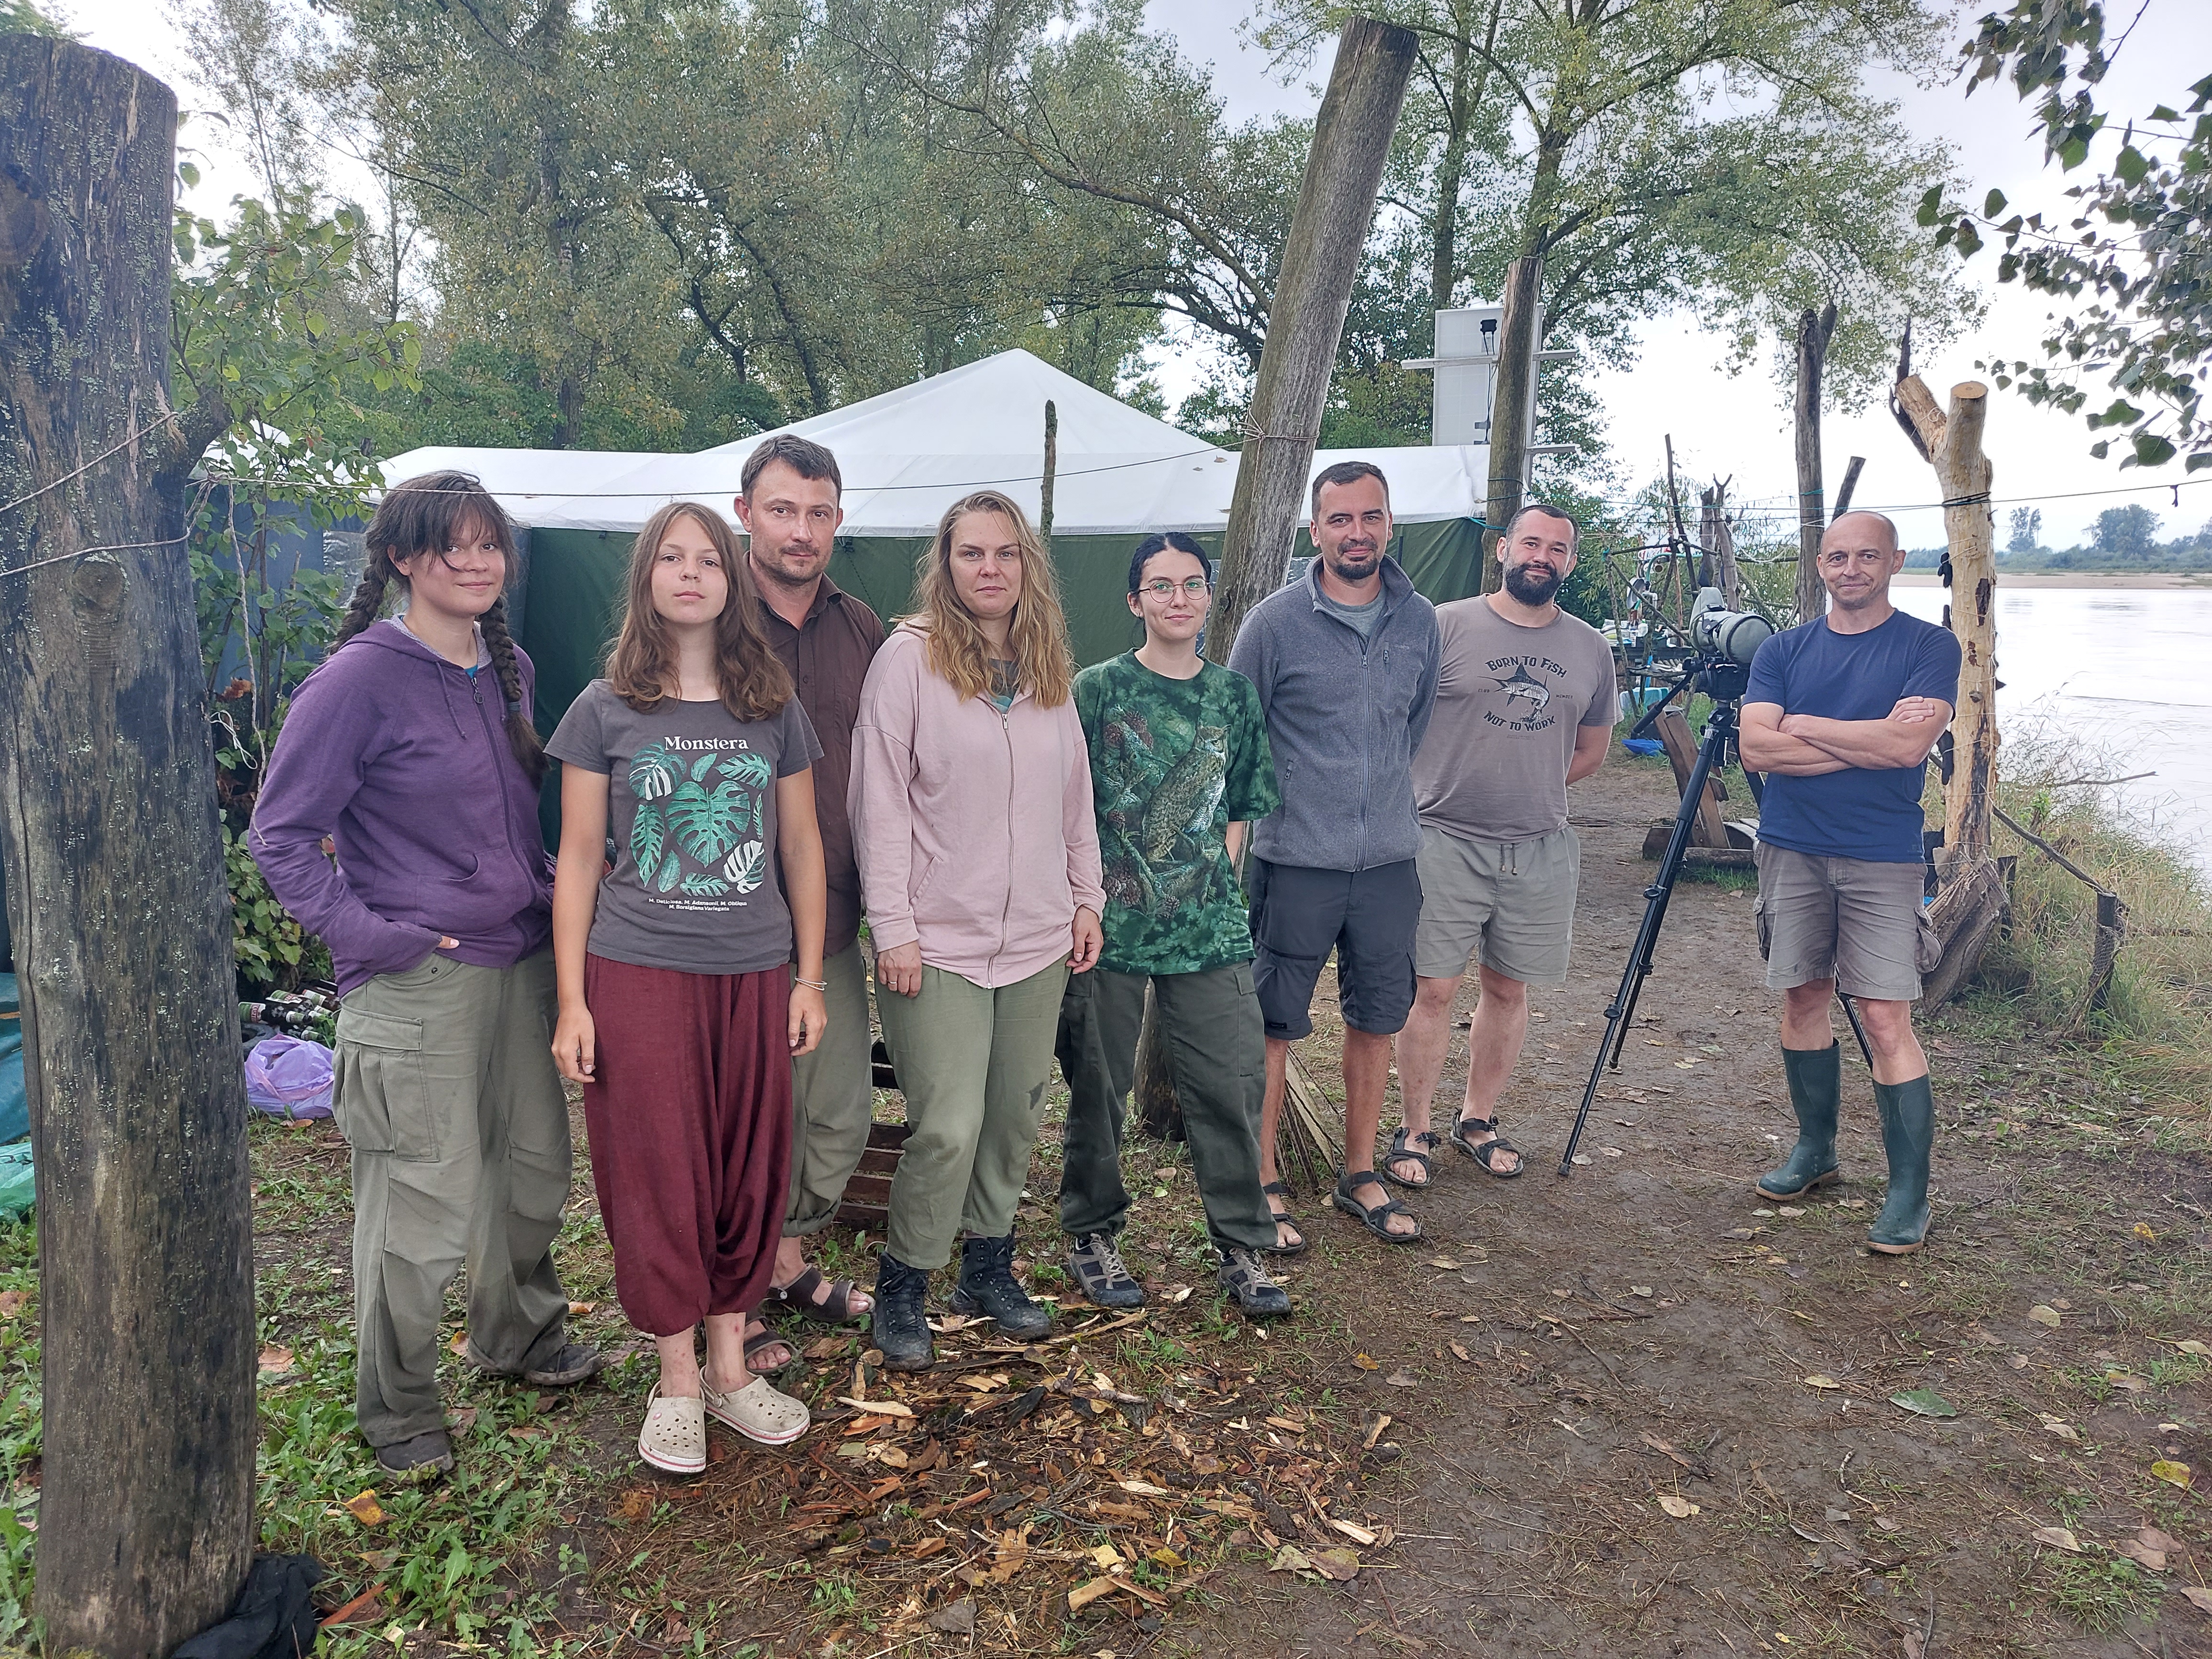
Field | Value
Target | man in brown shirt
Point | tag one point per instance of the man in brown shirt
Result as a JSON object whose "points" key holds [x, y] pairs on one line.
{"points": [[826, 637]]}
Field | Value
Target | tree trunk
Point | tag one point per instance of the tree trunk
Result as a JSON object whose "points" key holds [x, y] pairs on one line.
{"points": [[1717, 536], [1964, 472], [1451, 178], [1158, 1111], [107, 820], [1814, 330], [1518, 342], [1322, 258]]}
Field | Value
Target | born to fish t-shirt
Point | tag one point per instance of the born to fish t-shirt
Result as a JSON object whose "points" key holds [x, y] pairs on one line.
{"points": [[1509, 700], [691, 806]]}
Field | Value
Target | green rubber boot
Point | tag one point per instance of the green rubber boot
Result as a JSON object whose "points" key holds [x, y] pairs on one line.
{"points": [[1908, 1134], [1816, 1086]]}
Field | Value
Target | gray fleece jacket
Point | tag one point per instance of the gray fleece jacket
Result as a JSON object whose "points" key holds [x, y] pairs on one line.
{"points": [[1344, 718]]}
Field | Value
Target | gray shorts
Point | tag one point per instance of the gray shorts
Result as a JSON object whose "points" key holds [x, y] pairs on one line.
{"points": [[1857, 922], [1510, 905]]}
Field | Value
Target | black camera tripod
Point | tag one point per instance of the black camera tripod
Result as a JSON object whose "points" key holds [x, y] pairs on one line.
{"points": [[1724, 680]]}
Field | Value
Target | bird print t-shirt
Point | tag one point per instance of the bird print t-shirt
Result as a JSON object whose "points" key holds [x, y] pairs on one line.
{"points": [[691, 809], [1493, 766], [1173, 764]]}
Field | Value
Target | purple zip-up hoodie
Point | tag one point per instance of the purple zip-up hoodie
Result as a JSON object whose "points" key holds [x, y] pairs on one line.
{"points": [[402, 758]]}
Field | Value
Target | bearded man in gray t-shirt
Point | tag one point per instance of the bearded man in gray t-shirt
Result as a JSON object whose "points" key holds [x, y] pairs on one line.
{"points": [[1525, 706]]}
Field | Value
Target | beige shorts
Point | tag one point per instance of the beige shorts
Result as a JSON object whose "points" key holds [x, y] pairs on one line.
{"points": [[1510, 905], [1859, 923]]}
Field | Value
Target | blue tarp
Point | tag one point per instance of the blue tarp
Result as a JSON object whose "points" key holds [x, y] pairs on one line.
{"points": [[14, 1110]]}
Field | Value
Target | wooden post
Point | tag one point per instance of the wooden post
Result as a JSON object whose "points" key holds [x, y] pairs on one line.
{"points": [[1971, 901], [1051, 468], [1814, 330], [1517, 345], [1715, 534], [1963, 472], [122, 931], [1322, 258]]}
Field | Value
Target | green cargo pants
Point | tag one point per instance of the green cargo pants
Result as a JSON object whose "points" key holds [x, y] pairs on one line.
{"points": [[447, 1094], [1217, 1049], [973, 1064], [833, 1097]]}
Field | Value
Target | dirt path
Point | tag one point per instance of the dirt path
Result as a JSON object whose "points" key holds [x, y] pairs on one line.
{"points": [[1632, 1415], [1643, 1331]]}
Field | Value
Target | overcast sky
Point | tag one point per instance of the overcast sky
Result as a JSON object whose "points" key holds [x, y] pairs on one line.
{"points": [[1721, 425]]}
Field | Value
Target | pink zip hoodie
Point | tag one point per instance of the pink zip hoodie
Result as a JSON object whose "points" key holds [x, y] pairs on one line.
{"points": [[973, 828]]}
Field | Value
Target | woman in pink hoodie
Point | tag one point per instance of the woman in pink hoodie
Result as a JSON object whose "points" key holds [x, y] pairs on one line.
{"points": [[979, 869]]}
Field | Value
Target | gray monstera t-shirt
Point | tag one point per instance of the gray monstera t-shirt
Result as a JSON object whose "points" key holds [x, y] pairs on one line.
{"points": [[691, 808]]}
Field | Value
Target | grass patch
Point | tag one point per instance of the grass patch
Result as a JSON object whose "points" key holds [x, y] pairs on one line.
{"points": [[2155, 1037]]}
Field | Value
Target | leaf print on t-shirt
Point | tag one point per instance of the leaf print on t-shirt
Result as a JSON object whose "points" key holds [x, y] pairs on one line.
{"points": [[645, 837], [695, 813], [745, 866], [709, 822]]}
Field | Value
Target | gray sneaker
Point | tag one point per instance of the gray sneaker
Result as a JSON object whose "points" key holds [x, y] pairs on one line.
{"points": [[1100, 1273], [425, 1457], [574, 1363], [1256, 1293]]}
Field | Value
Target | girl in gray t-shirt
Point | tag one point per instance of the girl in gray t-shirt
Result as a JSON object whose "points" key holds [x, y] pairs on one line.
{"points": [[679, 1012]]}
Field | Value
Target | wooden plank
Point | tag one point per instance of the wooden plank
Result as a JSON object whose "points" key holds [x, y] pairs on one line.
{"points": [[1708, 828]]}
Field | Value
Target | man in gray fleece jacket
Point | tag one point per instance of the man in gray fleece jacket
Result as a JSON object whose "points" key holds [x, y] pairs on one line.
{"points": [[1346, 662]]}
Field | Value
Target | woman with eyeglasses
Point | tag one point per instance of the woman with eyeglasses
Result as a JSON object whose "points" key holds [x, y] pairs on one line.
{"points": [[1179, 767]]}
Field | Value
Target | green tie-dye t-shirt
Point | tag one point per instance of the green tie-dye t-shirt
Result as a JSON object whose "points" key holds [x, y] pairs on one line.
{"points": [[1173, 764]]}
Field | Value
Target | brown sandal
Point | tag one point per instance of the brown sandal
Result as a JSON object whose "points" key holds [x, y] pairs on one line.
{"points": [[837, 1310], [1277, 1189]]}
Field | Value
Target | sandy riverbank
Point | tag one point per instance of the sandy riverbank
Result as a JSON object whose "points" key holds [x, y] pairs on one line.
{"points": [[2073, 579]]}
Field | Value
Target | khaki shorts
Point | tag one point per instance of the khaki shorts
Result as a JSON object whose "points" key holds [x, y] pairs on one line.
{"points": [[1510, 905], [1857, 922]]}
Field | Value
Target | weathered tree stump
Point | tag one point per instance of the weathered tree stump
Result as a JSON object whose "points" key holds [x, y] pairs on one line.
{"points": [[1814, 330], [122, 932]]}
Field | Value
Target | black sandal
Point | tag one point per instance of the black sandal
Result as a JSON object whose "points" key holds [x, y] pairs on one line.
{"points": [[1484, 1153], [798, 1297], [1401, 1147], [1277, 1189], [761, 1343], [1377, 1218]]}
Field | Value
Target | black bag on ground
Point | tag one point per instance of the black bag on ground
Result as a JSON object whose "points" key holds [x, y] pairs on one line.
{"points": [[274, 1616]]}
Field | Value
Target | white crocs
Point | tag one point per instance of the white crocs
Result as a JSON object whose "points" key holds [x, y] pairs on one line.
{"points": [[674, 1437], [758, 1412]]}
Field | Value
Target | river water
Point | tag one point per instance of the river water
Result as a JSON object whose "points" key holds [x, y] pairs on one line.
{"points": [[2125, 672]]}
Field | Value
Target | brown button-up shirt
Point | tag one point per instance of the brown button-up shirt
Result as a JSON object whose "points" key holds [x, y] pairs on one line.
{"points": [[828, 656]]}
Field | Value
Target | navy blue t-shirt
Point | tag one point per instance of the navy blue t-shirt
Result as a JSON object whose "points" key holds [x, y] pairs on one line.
{"points": [[1860, 812]]}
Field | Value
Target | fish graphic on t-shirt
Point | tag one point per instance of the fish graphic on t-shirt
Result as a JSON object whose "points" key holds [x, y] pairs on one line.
{"points": [[1521, 683]]}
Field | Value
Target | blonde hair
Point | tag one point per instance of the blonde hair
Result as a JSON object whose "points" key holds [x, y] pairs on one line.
{"points": [[752, 678], [958, 653]]}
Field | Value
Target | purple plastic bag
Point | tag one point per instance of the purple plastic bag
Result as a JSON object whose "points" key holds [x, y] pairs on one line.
{"points": [[289, 1077]]}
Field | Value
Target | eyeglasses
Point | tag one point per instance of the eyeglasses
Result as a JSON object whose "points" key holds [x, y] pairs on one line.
{"points": [[1191, 586]]}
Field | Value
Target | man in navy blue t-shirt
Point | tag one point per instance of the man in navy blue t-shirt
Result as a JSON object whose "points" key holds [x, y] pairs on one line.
{"points": [[1841, 715]]}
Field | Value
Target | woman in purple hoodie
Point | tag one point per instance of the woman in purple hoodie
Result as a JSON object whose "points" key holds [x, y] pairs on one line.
{"points": [[412, 751]]}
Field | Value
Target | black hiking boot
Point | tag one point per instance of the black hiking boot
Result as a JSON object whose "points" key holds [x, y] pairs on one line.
{"points": [[899, 1326], [988, 1288]]}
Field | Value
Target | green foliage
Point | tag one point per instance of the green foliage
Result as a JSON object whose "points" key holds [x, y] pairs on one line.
{"points": [[21, 1438], [2138, 246], [21, 17], [273, 951], [262, 340]]}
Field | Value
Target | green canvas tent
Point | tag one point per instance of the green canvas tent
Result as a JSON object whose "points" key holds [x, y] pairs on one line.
{"points": [[1121, 475]]}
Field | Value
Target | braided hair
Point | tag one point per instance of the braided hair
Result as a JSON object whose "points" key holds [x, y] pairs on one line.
{"points": [[429, 515]]}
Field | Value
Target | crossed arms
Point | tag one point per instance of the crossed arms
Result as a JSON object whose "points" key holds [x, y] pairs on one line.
{"points": [[1807, 745]]}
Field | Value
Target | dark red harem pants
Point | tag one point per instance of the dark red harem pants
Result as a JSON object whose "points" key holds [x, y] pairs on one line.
{"points": [[691, 1134]]}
